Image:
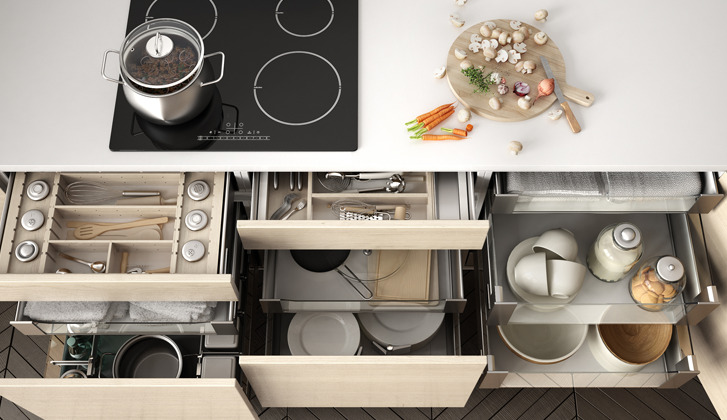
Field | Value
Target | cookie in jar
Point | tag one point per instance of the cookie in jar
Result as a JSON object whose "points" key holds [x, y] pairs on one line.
{"points": [[657, 282]]}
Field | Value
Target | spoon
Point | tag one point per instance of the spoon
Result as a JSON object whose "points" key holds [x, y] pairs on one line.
{"points": [[299, 207], [96, 267], [287, 202]]}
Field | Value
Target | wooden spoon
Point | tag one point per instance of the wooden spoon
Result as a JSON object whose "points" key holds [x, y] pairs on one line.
{"points": [[90, 231]]}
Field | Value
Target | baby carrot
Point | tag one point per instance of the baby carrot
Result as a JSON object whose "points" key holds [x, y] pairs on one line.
{"points": [[428, 114], [469, 127], [441, 137], [456, 131]]}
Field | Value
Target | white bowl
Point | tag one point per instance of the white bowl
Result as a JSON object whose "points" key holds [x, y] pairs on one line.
{"points": [[629, 350], [531, 274], [557, 244], [543, 343]]}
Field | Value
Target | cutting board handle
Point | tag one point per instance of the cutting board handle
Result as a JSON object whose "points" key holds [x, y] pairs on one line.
{"points": [[579, 96]]}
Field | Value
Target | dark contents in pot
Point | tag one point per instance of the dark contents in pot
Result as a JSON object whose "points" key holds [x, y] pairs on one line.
{"points": [[163, 71]]}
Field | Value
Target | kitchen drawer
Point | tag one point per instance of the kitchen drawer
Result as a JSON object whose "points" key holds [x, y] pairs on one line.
{"points": [[437, 206], [434, 375], [598, 302], [187, 397], [505, 369], [603, 192], [151, 248]]}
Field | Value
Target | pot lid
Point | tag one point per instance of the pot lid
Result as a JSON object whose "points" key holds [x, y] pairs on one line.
{"points": [[161, 53]]}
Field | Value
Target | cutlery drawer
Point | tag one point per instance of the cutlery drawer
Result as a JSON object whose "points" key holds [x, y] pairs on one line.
{"points": [[530, 192], [435, 209]]}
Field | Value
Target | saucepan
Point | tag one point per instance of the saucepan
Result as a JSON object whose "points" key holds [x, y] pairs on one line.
{"points": [[163, 71], [148, 356]]}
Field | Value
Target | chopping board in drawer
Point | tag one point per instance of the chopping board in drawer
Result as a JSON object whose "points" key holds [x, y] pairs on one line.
{"points": [[411, 275]]}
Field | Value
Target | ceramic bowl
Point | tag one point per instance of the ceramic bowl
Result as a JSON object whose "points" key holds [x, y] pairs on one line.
{"points": [[557, 244], [543, 343], [531, 274], [628, 347], [565, 278]]}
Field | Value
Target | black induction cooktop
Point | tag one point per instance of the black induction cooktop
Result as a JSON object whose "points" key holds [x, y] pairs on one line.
{"points": [[289, 82]]}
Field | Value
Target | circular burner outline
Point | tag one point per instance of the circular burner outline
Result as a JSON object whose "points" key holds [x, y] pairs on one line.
{"points": [[214, 23], [256, 87], [277, 19]]}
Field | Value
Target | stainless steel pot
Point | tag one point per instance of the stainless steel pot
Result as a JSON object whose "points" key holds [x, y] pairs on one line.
{"points": [[148, 356], [163, 71]]}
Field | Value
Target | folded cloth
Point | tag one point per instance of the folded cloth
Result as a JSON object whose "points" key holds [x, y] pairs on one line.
{"points": [[67, 311], [171, 311], [653, 184], [554, 183]]}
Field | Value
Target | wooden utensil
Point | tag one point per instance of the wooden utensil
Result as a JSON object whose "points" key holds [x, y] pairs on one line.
{"points": [[92, 230], [510, 111], [410, 281]]}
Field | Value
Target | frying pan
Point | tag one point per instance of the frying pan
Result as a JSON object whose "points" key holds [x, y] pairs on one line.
{"points": [[322, 261], [148, 356]]}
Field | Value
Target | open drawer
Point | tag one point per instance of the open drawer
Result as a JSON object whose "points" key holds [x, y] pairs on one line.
{"points": [[599, 302], [41, 232], [434, 374], [621, 192], [435, 215], [582, 370]]}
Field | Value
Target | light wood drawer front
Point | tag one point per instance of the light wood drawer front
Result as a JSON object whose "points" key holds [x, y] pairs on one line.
{"points": [[342, 234], [157, 399], [118, 287], [363, 381]]}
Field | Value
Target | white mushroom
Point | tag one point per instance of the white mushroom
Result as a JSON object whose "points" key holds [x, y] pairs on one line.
{"points": [[495, 103], [465, 64], [456, 20], [515, 147], [502, 56], [515, 25], [529, 66], [540, 38], [440, 72], [504, 38], [513, 56], [490, 25], [475, 47], [475, 38], [496, 33], [489, 54], [485, 31], [541, 14], [524, 102], [525, 31], [555, 114], [463, 115], [460, 2], [494, 44], [460, 54], [519, 67], [520, 47]]}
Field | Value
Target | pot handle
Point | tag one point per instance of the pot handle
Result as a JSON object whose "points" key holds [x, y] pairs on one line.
{"points": [[222, 68], [103, 66]]}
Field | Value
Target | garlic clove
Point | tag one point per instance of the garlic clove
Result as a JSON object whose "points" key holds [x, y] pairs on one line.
{"points": [[463, 115]]}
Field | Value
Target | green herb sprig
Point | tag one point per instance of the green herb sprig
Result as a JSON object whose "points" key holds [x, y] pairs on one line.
{"points": [[481, 82]]}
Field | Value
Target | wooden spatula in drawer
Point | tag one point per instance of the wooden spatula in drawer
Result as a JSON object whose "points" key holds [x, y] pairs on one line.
{"points": [[91, 230]]}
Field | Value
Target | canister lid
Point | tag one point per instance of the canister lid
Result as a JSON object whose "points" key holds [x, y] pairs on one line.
{"points": [[193, 251], [26, 251], [196, 220], [670, 268], [198, 190], [627, 235], [37, 190], [32, 220]]}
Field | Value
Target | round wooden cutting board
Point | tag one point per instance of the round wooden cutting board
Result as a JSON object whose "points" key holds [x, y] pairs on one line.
{"points": [[510, 111]]}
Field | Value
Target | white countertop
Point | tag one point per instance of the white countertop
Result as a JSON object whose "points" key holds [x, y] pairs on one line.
{"points": [[654, 67]]}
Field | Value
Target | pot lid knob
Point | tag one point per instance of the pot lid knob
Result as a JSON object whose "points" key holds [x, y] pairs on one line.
{"points": [[159, 45]]}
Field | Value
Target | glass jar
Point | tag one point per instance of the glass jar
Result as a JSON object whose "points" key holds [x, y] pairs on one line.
{"points": [[615, 251], [79, 347], [657, 282]]}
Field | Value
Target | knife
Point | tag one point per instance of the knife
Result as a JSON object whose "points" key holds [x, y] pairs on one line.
{"points": [[574, 126]]}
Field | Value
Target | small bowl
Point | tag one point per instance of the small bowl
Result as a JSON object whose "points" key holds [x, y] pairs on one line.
{"points": [[531, 274], [543, 344], [628, 347], [557, 244], [565, 278]]}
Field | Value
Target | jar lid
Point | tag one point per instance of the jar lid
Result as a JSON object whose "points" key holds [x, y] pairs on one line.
{"points": [[198, 190], [26, 251], [161, 53], [196, 220], [32, 220], [627, 236], [670, 268], [37, 190], [193, 251]]}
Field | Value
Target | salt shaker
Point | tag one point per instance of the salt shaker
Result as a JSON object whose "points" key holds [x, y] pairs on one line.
{"points": [[657, 282], [616, 250]]}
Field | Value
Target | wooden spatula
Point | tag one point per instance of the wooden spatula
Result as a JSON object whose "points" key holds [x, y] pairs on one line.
{"points": [[92, 230]]}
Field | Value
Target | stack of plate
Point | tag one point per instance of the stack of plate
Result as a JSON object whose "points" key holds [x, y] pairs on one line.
{"points": [[323, 334]]}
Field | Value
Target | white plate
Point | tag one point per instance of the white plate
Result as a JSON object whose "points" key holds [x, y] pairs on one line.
{"points": [[324, 334], [400, 328], [522, 249]]}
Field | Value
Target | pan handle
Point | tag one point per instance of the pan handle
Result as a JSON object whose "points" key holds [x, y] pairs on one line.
{"points": [[369, 294], [103, 66]]}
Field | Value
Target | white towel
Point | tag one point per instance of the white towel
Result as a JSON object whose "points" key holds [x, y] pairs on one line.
{"points": [[67, 311], [171, 311]]}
